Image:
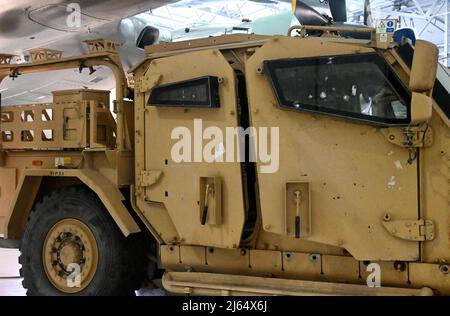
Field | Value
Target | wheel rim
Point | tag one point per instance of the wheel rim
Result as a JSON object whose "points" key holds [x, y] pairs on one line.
{"points": [[68, 242]]}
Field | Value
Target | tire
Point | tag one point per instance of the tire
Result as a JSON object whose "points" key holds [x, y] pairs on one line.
{"points": [[120, 262]]}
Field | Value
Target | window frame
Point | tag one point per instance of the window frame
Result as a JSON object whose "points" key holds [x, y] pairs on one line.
{"points": [[212, 90], [397, 86]]}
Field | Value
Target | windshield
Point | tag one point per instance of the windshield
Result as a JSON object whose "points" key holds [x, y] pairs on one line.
{"points": [[355, 86]]}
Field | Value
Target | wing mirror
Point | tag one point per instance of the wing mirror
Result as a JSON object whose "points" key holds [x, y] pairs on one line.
{"points": [[421, 108], [422, 79]]}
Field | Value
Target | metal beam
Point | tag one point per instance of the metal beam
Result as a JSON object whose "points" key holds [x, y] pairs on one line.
{"points": [[400, 13], [419, 7], [431, 11], [423, 15]]}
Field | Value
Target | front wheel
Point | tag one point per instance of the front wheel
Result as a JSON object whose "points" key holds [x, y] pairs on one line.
{"points": [[72, 246]]}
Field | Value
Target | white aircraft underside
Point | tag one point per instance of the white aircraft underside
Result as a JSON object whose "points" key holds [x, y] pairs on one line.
{"points": [[26, 24]]}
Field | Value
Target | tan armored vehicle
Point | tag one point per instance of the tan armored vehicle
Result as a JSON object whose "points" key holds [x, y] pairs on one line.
{"points": [[347, 191]]}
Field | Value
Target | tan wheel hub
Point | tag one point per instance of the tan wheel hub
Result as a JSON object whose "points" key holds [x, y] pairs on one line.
{"points": [[70, 255]]}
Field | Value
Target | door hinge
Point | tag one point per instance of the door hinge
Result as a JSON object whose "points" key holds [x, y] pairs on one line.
{"points": [[410, 136], [147, 178], [411, 230]]}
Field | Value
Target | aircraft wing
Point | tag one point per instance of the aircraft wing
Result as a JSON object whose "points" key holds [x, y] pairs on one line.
{"points": [[28, 24]]}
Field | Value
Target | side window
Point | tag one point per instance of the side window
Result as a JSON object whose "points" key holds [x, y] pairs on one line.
{"points": [[197, 93], [361, 87]]}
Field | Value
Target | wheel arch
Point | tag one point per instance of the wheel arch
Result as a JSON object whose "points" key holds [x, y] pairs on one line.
{"points": [[34, 184]]}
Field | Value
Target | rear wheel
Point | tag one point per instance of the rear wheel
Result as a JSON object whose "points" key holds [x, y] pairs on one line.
{"points": [[72, 246]]}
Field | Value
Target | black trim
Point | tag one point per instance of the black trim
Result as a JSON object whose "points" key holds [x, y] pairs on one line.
{"points": [[406, 52], [9, 243], [248, 168], [212, 90], [396, 84], [442, 97]]}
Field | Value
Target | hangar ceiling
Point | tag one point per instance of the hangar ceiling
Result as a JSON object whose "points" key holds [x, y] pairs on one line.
{"points": [[429, 18], [200, 18]]}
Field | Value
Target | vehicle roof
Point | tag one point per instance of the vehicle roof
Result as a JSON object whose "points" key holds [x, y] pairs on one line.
{"points": [[231, 41]]}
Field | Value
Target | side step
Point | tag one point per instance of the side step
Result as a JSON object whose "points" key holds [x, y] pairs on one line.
{"points": [[199, 283]]}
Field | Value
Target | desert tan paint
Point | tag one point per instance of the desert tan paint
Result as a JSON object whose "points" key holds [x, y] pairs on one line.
{"points": [[34, 139], [346, 166], [178, 188]]}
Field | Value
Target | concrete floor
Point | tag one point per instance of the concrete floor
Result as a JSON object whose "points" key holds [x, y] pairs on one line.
{"points": [[10, 282]]}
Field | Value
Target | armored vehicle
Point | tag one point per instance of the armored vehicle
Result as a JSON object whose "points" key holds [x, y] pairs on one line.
{"points": [[272, 165]]}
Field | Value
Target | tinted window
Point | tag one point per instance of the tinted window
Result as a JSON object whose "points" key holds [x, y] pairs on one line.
{"points": [[356, 86], [199, 92]]}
